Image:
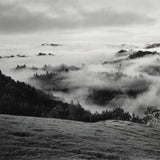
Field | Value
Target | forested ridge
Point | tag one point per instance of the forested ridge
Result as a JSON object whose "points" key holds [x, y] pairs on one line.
{"points": [[18, 98]]}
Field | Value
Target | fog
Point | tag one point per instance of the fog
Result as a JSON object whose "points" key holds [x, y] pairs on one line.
{"points": [[92, 77]]}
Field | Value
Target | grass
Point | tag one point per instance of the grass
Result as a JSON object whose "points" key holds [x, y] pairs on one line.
{"points": [[28, 138]]}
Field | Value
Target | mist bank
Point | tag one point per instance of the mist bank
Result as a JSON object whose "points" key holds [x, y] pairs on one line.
{"points": [[99, 87], [97, 76], [17, 98]]}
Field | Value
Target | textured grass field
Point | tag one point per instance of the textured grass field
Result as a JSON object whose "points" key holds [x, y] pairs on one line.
{"points": [[28, 138]]}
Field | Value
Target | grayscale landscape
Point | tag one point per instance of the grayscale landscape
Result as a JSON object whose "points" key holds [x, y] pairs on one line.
{"points": [[79, 79]]}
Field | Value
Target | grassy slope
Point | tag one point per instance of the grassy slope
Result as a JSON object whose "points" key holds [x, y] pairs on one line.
{"points": [[28, 138]]}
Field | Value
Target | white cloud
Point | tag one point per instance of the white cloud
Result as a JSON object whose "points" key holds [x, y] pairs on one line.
{"points": [[53, 15], [103, 20]]}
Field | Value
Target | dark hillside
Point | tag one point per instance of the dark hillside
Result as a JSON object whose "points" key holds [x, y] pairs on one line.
{"points": [[18, 98]]}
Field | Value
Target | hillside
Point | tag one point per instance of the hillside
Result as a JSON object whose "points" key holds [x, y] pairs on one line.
{"points": [[18, 98], [28, 138]]}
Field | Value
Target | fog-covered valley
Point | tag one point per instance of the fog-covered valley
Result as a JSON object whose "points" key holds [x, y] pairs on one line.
{"points": [[98, 76]]}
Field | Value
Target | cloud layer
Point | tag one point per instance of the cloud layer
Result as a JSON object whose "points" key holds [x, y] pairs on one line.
{"points": [[22, 16]]}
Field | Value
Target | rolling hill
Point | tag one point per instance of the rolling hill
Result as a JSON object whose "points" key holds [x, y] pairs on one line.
{"points": [[28, 138]]}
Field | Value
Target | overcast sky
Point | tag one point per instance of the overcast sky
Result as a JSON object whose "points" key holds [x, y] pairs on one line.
{"points": [[80, 20]]}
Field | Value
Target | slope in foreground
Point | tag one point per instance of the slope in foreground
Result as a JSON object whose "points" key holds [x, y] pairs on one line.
{"points": [[28, 138]]}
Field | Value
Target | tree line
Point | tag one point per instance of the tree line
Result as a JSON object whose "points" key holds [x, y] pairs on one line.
{"points": [[18, 98]]}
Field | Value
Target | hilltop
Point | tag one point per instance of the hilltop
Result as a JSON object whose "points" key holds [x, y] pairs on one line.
{"points": [[28, 138]]}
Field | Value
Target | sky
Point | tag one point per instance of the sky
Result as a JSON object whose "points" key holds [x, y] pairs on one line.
{"points": [[99, 21]]}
